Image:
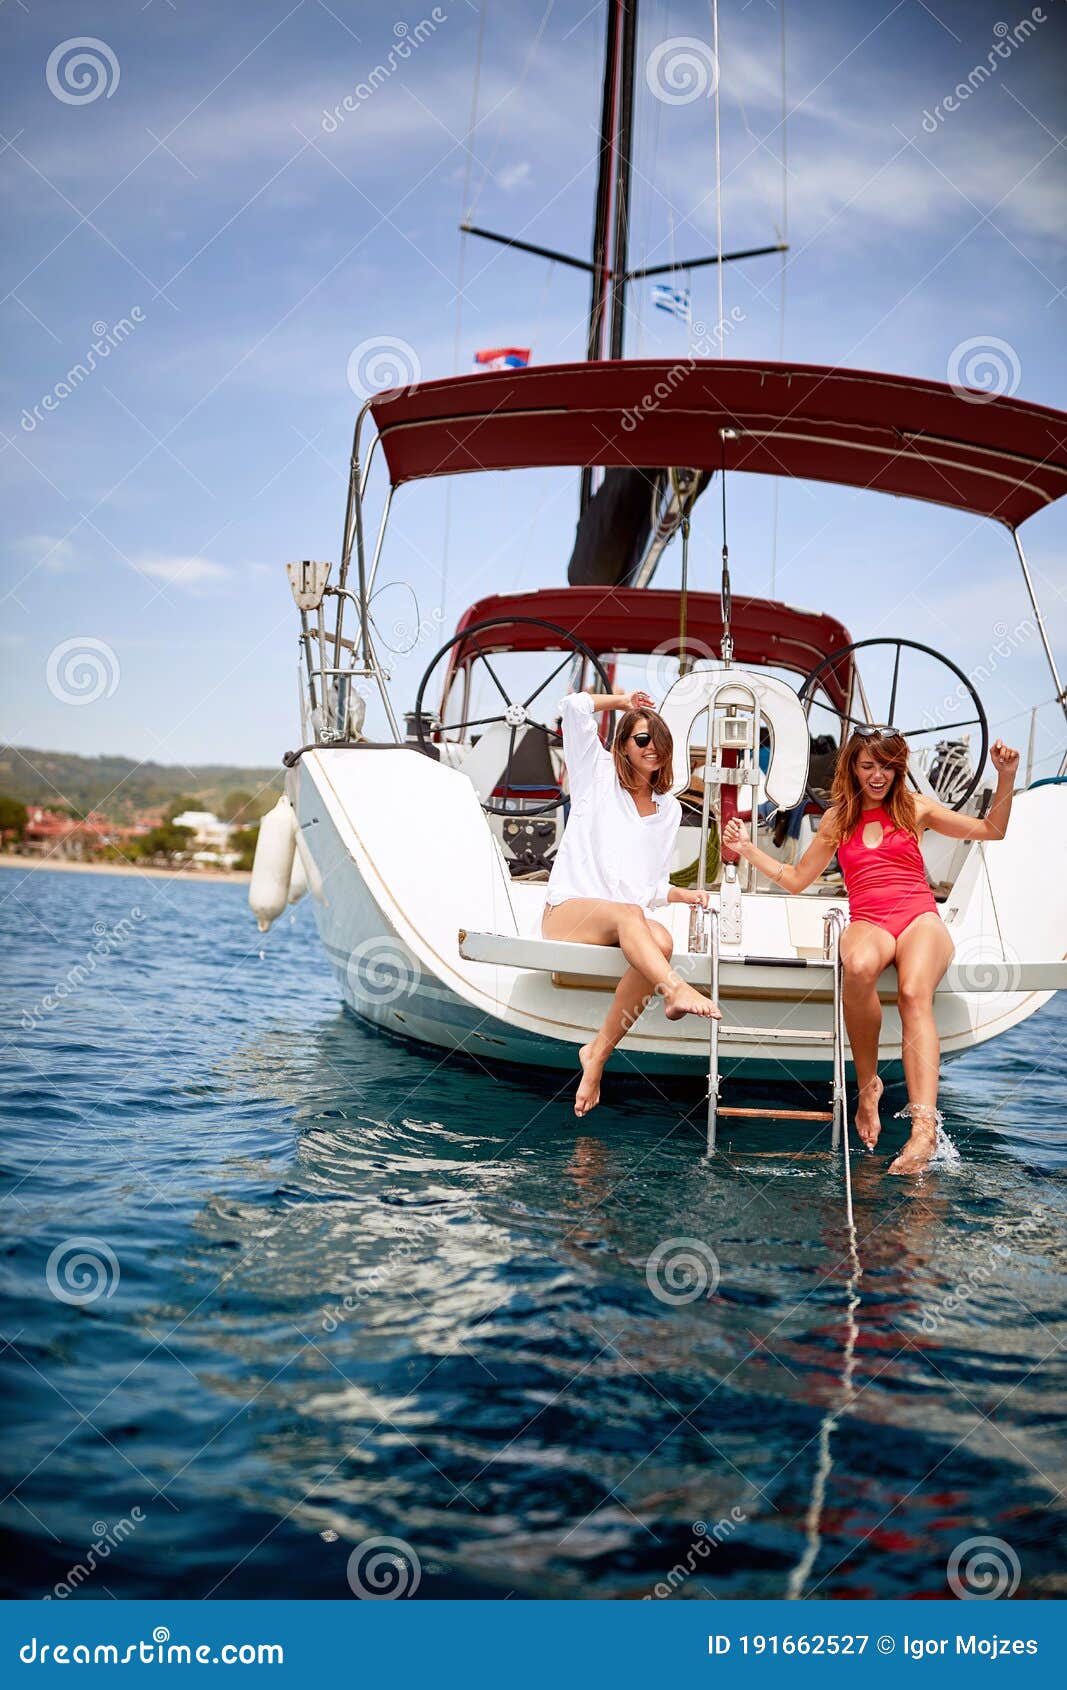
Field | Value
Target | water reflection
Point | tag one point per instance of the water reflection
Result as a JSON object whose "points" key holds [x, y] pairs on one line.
{"points": [[441, 1324]]}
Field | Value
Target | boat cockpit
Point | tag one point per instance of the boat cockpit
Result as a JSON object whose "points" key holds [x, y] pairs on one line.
{"points": [[758, 743]]}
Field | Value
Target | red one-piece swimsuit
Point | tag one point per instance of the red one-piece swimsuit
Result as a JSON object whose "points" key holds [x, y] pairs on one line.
{"points": [[886, 883]]}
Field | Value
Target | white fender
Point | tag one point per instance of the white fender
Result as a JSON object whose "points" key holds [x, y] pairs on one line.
{"points": [[298, 880], [272, 867]]}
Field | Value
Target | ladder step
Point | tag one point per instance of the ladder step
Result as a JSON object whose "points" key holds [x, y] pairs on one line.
{"points": [[784, 1035], [782, 1114]]}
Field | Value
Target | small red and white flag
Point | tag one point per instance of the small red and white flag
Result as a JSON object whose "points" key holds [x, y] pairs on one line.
{"points": [[503, 358]]}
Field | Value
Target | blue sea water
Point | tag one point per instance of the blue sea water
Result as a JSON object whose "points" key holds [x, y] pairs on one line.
{"points": [[276, 1288]]}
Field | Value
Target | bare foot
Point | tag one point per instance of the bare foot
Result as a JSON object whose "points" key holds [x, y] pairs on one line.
{"points": [[920, 1146], [868, 1124], [588, 1095], [686, 1000]]}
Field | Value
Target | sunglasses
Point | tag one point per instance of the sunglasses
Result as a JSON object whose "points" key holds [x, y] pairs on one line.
{"points": [[876, 733], [641, 740]]}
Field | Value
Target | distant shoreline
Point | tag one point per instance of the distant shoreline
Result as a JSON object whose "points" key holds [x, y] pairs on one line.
{"points": [[235, 876]]}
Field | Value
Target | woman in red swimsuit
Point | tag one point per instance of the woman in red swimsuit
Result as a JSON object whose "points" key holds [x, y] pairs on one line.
{"points": [[875, 824]]}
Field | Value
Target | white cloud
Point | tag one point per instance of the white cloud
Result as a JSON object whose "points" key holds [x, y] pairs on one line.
{"points": [[45, 551], [513, 176], [191, 572]]}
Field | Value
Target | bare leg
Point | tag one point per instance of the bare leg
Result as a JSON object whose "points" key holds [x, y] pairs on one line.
{"points": [[647, 947], [866, 950], [924, 951], [632, 995], [591, 922]]}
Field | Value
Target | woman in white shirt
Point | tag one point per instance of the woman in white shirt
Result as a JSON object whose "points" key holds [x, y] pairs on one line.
{"points": [[612, 866]]}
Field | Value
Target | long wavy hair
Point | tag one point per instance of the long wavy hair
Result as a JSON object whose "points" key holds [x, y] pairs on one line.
{"points": [[846, 798], [663, 778]]}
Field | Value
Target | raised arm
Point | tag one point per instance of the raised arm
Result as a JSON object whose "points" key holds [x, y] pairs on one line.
{"points": [[583, 747], [621, 701], [791, 877], [994, 824]]}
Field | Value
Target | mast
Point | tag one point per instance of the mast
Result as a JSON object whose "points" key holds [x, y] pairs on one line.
{"points": [[604, 264], [623, 140], [608, 265], [598, 292]]}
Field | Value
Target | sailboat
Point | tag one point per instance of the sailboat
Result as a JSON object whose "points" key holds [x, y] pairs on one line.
{"points": [[426, 854]]}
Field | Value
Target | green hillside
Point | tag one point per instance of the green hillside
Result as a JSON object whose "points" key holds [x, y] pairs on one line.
{"points": [[121, 787]]}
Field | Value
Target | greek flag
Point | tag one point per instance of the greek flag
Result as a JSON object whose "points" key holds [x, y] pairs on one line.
{"points": [[674, 300]]}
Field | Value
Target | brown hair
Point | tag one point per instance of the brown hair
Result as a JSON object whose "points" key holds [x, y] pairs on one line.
{"points": [[663, 778], [891, 750]]}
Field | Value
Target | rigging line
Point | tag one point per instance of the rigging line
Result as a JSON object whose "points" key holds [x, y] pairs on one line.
{"points": [[472, 123], [530, 56], [783, 236], [993, 901], [720, 267]]}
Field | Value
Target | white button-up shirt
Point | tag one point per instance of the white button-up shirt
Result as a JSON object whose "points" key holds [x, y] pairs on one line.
{"points": [[609, 850]]}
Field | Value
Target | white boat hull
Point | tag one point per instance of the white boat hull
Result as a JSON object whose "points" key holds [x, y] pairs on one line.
{"points": [[370, 820]]}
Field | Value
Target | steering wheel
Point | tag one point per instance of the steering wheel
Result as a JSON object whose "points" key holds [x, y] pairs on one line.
{"points": [[514, 713], [807, 698]]}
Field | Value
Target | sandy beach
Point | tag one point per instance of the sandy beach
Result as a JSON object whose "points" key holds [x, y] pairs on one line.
{"points": [[9, 859]]}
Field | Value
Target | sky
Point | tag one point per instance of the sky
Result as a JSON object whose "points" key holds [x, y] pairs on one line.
{"points": [[191, 192]]}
